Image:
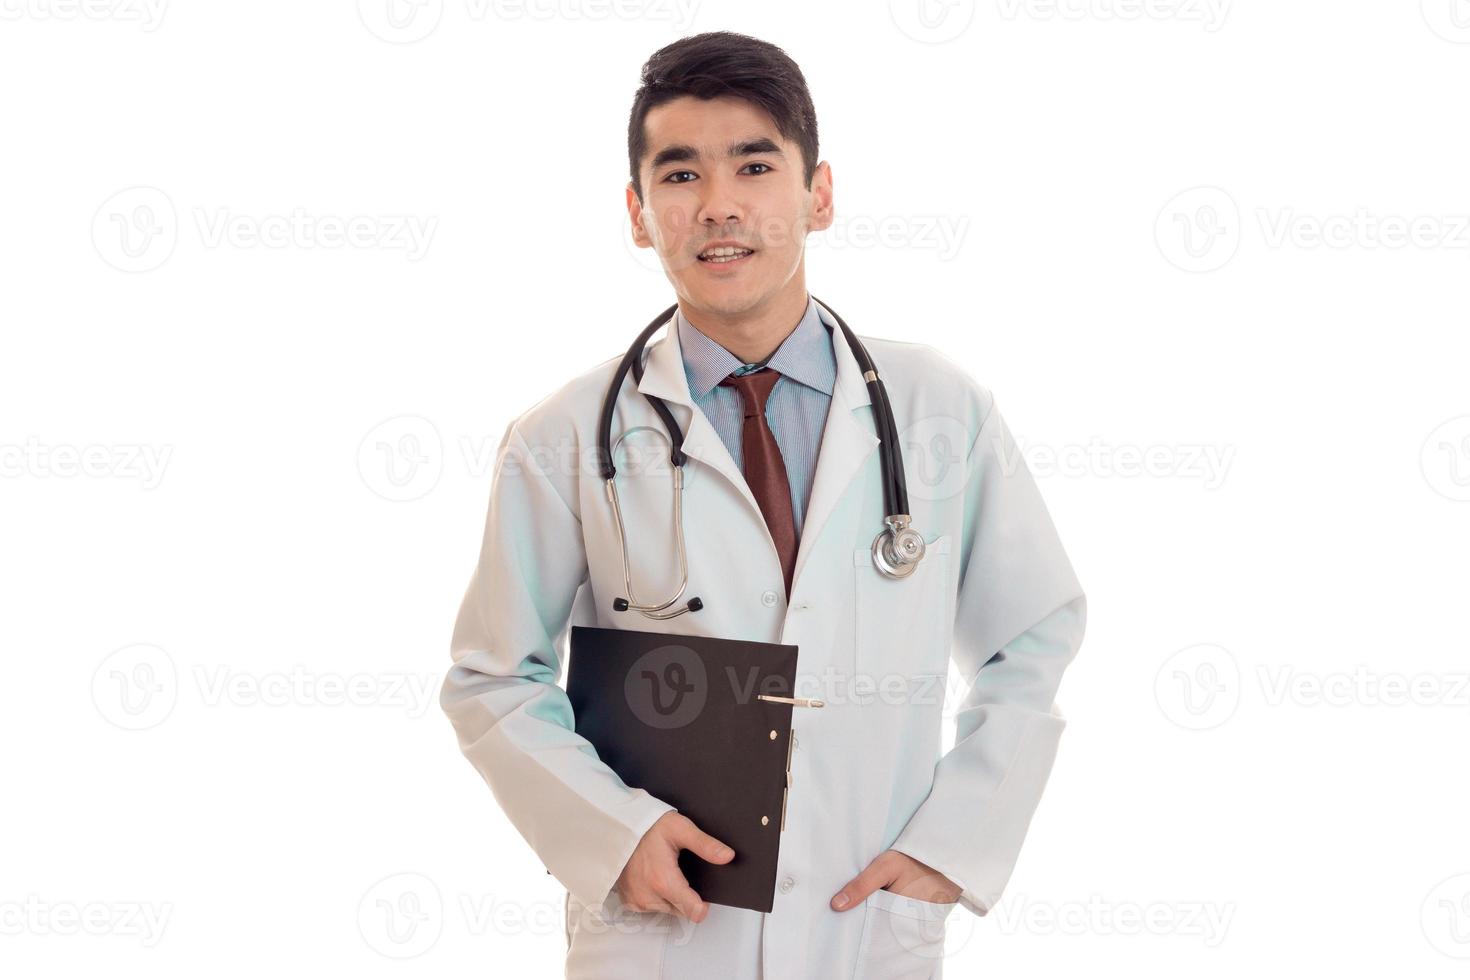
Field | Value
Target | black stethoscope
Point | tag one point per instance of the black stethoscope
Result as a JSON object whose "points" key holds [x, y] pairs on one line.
{"points": [[896, 550]]}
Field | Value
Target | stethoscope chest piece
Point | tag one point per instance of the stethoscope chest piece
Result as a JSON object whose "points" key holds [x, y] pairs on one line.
{"points": [[898, 548]]}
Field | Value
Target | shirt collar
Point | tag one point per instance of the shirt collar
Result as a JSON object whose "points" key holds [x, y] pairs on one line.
{"points": [[804, 356]]}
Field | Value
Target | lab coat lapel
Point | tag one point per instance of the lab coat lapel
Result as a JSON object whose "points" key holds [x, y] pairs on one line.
{"points": [[848, 439], [664, 377]]}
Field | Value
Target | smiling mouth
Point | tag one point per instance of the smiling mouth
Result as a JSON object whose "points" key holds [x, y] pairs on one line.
{"points": [[725, 256]]}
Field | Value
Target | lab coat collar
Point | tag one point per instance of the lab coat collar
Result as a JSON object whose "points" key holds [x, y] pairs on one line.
{"points": [[804, 355], [664, 375]]}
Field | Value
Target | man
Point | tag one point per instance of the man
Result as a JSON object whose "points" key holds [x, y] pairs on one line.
{"points": [[882, 837]]}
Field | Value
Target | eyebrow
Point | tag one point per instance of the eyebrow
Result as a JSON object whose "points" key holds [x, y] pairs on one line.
{"points": [[679, 152]]}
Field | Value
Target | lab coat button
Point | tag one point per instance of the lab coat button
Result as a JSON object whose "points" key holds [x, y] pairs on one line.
{"points": [[768, 597], [786, 884]]}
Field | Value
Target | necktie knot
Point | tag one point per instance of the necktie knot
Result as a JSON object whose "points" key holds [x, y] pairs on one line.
{"points": [[754, 388]]}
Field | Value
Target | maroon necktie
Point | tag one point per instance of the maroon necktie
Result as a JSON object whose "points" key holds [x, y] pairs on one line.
{"points": [[765, 470]]}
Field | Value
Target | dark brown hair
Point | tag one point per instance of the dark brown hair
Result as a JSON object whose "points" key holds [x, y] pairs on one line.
{"points": [[724, 63]]}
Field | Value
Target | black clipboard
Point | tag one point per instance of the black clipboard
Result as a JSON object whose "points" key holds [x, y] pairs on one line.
{"points": [[687, 719]]}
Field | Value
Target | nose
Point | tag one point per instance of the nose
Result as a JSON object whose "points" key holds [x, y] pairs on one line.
{"points": [[719, 203]]}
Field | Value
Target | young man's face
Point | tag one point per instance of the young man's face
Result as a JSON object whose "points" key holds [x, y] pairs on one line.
{"points": [[697, 193]]}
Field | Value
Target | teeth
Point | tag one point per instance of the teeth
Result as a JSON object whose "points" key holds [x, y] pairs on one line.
{"points": [[725, 253]]}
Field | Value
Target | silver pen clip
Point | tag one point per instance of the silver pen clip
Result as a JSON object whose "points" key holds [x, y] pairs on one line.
{"points": [[799, 702]]}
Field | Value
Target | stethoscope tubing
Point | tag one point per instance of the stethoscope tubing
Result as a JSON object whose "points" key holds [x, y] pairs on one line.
{"points": [[633, 359], [896, 550], [895, 487]]}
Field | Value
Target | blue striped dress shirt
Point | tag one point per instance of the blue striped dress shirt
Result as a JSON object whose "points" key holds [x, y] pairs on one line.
{"points": [[797, 408]]}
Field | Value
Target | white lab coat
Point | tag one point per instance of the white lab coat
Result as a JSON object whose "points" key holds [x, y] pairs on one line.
{"points": [[995, 592]]}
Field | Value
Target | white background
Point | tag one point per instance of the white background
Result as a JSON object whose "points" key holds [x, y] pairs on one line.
{"points": [[1211, 258]]}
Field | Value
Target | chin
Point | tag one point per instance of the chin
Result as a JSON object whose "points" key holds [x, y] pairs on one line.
{"points": [[728, 300]]}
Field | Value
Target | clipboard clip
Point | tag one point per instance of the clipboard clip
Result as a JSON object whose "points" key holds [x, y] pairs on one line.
{"points": [[790, 740], [786, 790]]}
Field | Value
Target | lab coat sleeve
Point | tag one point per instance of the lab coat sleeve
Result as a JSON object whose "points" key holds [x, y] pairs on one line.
{"points": [[1019, 619], [514, 722]]}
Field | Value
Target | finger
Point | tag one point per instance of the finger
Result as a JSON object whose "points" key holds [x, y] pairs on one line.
{"points": [[687, 901], [874, 876], [691, 838]]}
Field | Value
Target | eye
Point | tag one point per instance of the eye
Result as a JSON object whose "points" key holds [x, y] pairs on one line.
{"points": [[749, 165], [670, 178]]}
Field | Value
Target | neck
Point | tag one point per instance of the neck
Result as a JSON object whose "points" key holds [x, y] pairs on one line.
{"points": [[753, 334]]}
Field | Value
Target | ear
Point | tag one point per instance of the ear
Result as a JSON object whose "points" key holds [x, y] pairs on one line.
{"points": [[821, 213], [635, 217]]}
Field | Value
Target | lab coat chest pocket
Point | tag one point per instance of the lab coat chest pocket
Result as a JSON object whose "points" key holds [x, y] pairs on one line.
{"points": [[903, 625], [903, 938]]}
